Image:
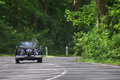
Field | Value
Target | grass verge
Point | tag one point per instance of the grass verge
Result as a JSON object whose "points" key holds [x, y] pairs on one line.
{"points": [[108, 62], [12, 55], [6, 55]]}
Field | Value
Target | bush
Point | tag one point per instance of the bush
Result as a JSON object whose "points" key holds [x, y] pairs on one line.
{"points": [[98, 47], [8, 38]]}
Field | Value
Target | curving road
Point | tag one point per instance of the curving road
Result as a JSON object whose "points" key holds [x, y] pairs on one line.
{"points": [[56, 68]]}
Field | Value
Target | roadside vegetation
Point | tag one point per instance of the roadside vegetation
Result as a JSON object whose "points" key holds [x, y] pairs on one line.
{"points": [[90, 28], [99, 37], [6, 55]]}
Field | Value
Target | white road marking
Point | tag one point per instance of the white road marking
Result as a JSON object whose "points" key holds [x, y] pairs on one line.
{"points": [[57, 76], [106, 65]]}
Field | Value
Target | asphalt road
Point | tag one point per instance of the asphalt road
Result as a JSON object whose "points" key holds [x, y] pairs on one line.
{"points": [[56, 68]]}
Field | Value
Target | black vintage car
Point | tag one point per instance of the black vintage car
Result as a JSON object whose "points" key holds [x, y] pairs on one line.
{"points": [[28, 50]]}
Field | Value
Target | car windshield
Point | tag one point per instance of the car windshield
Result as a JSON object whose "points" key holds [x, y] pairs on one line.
{"points": [[27, 44]]}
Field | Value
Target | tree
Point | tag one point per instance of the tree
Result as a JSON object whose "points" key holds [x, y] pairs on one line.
{"points": [[33, 20], [102, 10], [8, 2], [74, 9], [44, 3], [16, 12], [75, 5]]}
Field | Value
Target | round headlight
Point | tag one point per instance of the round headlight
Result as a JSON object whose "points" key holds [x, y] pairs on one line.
{"points": [[39, 50]]}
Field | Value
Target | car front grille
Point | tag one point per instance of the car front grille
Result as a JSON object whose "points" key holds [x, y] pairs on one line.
{"points": [[29, 52]]}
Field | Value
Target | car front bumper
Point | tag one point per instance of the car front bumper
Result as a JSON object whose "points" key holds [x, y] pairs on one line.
{"points": [[25, 57]]}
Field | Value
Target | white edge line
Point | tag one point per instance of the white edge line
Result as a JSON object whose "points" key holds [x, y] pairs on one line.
{"points": [[107, 65], [57, 76]]}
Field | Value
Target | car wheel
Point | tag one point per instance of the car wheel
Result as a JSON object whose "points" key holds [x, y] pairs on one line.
{"points": [[39, 60], [17, 61]]}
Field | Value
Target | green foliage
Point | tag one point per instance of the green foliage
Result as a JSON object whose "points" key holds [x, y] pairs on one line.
{"points": [[8, 37], [98, 47], [50, 27], [85, 18], [99, 44], [2, 2], [83, 21]]}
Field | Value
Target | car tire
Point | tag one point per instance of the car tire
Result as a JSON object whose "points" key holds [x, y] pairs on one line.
{"points": [[39, 60], [17, 61]]}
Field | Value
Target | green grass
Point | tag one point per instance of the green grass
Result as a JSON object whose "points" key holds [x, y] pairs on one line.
{"points": [[6, 55], [60, 56], [108, 62], [12, 55], [48, 56]]}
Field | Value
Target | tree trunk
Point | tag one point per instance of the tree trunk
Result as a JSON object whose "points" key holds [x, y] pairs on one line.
{"points": [[74, 8], [37, 3], [33, 20], [44, 6], [75, 5], [102, 10], [17, 14], [8, 2], [9, 9]]}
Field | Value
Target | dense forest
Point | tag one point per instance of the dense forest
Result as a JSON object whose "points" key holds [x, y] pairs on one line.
{"points": [[91, 28]]}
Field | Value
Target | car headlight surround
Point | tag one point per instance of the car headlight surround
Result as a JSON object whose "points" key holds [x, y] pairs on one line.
{"points": [[39, 51]]}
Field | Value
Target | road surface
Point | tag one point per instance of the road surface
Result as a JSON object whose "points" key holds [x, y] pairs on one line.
{"points": [[56, 68]]}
